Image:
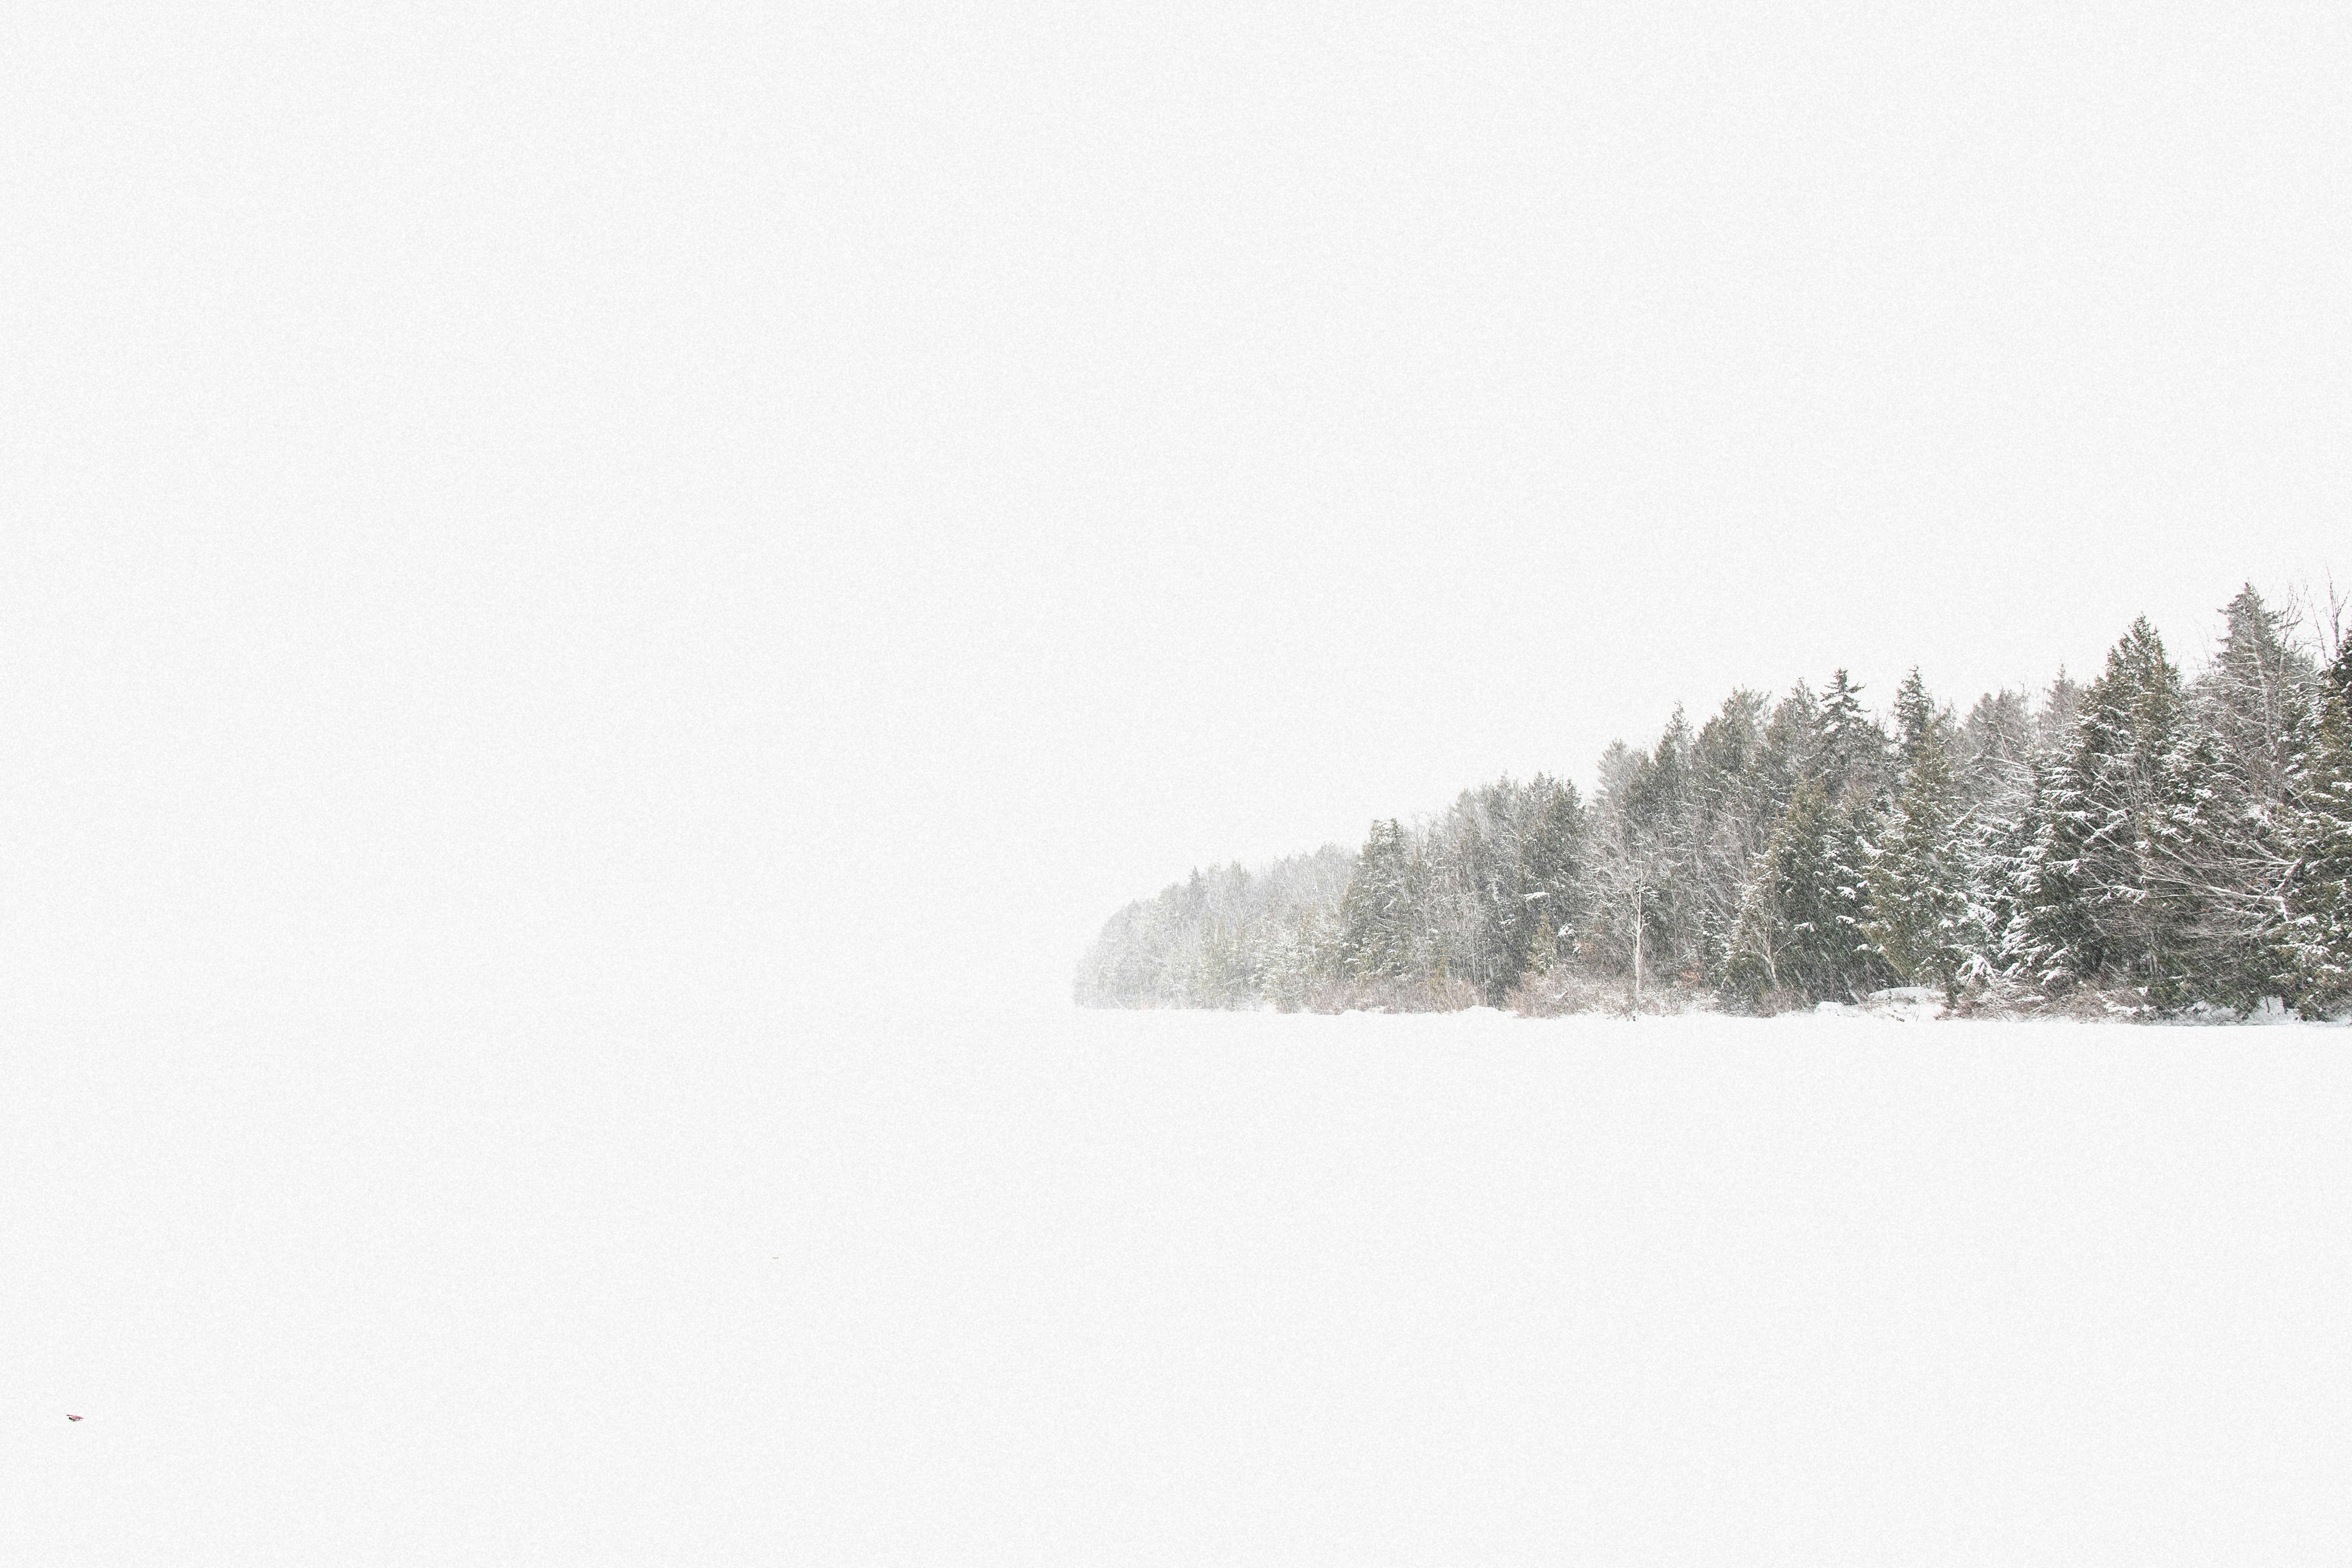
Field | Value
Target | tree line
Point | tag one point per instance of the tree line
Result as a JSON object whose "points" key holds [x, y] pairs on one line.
{"points": [[2144, 841]]}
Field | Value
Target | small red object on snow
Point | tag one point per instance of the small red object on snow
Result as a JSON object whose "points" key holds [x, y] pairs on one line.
{"points": [[73, 1417]]}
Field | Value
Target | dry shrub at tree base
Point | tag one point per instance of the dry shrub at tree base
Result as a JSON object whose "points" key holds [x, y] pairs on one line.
{"points": [[1390, 993], [1562, 991]]}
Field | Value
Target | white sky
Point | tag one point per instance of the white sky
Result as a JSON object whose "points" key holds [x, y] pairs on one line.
{"points": [[614, 509]]}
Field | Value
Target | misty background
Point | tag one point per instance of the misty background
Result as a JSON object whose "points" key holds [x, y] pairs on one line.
{"points": [[605, 511]]}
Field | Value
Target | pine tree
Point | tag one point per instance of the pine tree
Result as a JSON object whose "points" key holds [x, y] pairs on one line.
{"points": [[1853, 747], [1792, 745], [1380, 913], [1805, 925], [1628, 865], [2256, 698], [1225, 970], [1550, 884], [1923, 920], [1920, 723], [1733, 811], [2318, 895], [1994, 749], [2097, 902], [1664, 805], [2254, 710], [1291, 960], [1503, 867]]}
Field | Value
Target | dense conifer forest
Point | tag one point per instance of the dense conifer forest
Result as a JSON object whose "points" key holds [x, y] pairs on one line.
{"points": [[2143, 843]]}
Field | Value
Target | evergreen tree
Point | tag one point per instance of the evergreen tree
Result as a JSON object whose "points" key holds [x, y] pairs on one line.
{"points": [[2255, 712], [1221, 938], [1853, 747], [1293, 958], [1791, 752], [2011, 869], [1805, 925], [2096, 901], [1995, 748], [2318, 896], [1645, 909], [1626, 866], [1224, 971], [1733, 809], [1923, 922], [1495, 861], [2256, 699], [1919, 724], [1551, 885], [1663, 805], [1378, 916]]}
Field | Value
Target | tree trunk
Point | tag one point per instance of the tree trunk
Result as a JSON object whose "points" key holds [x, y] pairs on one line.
{"points": [[1637, 951]]}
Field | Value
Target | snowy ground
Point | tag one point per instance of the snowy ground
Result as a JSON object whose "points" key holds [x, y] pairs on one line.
{"points": [[1179, 1289]]}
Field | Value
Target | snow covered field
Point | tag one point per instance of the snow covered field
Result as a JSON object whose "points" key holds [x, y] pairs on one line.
{"points": [[1179, 1289]]}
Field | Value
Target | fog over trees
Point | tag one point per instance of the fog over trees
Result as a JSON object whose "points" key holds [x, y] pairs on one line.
{"points": [[2143, 842]]}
